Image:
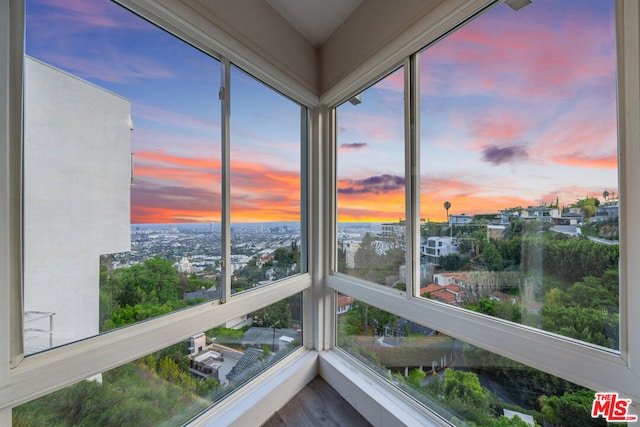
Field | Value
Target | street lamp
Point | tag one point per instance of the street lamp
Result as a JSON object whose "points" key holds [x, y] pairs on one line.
{"points": [[273, 342]]}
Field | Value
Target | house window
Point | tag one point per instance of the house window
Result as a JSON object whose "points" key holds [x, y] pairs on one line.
{"points": [[513, 124], [460, 382], [177, 383], [124, 203], [266, 132], [509, 258], [370, 182], [124, 171]]}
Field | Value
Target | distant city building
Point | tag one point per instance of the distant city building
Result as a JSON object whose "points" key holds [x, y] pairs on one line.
{"points": [[350, 247], [453, 278], [568, 219], [607, 211], [505, 216], [184, 266], [238, 262], [394, 229]]}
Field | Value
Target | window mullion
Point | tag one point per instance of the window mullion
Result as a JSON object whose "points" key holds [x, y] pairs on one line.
{"points": [[628, 28], [412, 175], [11, 52], [225, 99]]}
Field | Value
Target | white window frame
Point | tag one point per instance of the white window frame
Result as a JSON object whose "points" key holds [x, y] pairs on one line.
{"points": [[579, 362], [25, 378], [59, 367]]}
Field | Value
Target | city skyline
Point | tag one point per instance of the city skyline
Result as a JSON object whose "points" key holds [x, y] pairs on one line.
{"points": [[505, 121]]}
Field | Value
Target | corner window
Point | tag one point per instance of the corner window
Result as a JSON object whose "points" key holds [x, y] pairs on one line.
{"points": [[519, 168], [371, 183], [266, 132], [122, 172], [124, 175], [462, 383], [175, 384]]}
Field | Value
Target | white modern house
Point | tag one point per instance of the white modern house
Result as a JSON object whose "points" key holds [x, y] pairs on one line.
{"points": [[77, 177], [438, 246]]}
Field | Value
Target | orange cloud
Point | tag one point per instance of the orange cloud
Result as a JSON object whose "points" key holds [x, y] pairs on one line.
{"points": [[389, 206], [171, 188]]}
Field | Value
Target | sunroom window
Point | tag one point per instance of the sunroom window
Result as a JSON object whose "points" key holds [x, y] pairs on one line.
{"points": [[175, 384], [371, 184], [266, 130], [124, 171], [519, 168], [511, 174]]}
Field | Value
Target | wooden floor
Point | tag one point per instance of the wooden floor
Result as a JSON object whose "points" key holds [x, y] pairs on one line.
{"points": [[318, 404]]}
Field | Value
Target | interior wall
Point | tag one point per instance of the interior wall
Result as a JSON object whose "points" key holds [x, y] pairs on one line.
{"points": [[373, 25], [266, 33]]}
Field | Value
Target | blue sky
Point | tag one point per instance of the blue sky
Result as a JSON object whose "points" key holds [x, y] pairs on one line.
{"points": [[173, 90], [517, 109]]}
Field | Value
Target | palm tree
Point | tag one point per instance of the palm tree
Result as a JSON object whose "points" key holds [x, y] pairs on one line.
{"points": [[605, 194], [447, 205]]}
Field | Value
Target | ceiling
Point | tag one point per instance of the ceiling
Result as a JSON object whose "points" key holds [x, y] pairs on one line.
{"points": [[316, 20]]}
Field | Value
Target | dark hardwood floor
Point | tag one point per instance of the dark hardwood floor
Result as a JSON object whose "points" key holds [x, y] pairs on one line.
{"points": [[317, 405]]}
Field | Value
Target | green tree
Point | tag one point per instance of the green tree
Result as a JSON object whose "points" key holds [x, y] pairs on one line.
{"points": [[155, 281], [453, 262], [376, 267], [588, 206], [570, 409], [465, 387], [491, 257], [447, 206], [276, 314], [251, 273], [415, 378]]}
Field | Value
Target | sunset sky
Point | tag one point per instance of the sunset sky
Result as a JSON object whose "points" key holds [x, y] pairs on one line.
{"points": [[517, 108]]}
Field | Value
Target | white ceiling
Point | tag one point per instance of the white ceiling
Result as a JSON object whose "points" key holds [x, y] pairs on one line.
{"points": [[316, 20]]}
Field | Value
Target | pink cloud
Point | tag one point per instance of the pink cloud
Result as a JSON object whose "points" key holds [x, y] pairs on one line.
{"points": [[373, 128], [527, 55], [393, 82], [89, 15]]}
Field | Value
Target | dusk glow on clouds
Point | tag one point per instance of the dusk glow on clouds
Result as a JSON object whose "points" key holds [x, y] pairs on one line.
{"points": [[517, 109], [173, 91]]}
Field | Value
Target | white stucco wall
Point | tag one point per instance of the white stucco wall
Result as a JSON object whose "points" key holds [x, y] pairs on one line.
{"points": [[77, 197]]}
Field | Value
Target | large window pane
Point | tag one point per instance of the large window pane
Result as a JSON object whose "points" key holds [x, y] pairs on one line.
{"points": [[113, 237], [171, 386], [519, 172], [464, 384], [370, 180], [266, 146]]}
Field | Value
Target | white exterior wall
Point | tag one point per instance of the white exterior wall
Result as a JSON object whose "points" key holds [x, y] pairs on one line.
{"points": [[76, 197]]}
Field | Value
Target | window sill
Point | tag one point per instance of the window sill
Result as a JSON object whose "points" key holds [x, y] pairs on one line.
{"points": [[257, 401], [381, 404]]}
